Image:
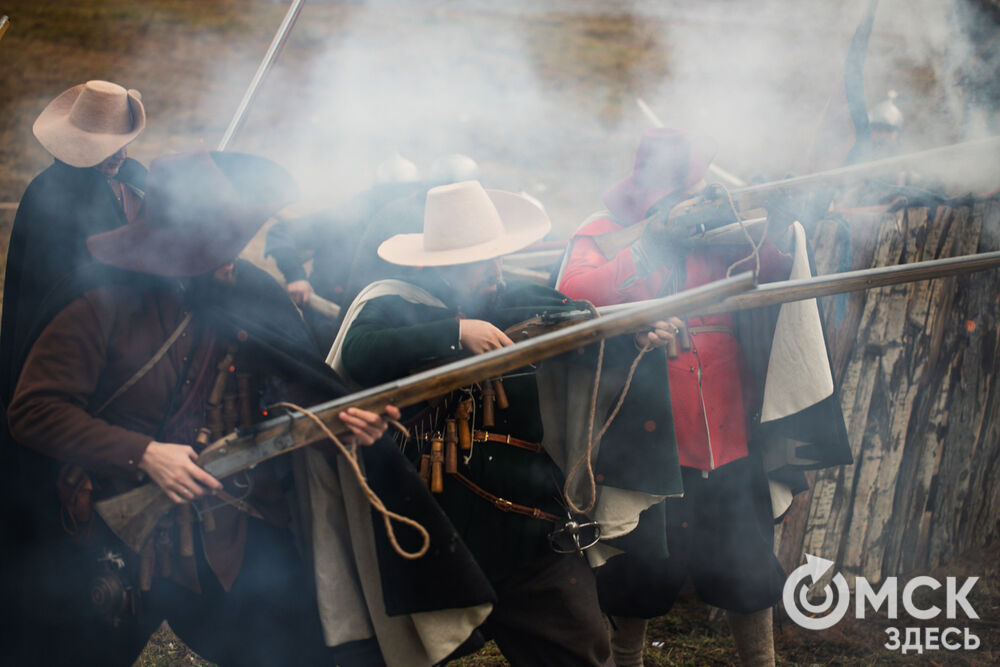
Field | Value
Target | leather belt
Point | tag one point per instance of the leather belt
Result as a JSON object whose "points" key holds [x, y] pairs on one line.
{"points": [[710, 328], [505, 505], [486, 436]]}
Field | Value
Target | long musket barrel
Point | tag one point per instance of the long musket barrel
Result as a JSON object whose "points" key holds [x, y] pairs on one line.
{"points": [[785, 291], [133, 515], [715, 208], [700, 210]]}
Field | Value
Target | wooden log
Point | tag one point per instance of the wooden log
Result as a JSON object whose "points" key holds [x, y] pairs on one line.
{"points": [[916, 365]]}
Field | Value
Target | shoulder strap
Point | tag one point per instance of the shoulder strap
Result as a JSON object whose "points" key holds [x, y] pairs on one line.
{"points": [[167, 344]]}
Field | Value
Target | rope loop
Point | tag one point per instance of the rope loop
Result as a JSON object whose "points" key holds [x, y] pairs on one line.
{"points": [[387, 515]]}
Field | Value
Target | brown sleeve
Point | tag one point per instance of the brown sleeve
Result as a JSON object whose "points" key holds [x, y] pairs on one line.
{"points": [[48, 412]]}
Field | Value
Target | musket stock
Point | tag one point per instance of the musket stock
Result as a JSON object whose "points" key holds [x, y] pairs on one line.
{"points": [[133, 515]]}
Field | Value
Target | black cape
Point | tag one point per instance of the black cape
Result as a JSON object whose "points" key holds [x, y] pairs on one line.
{"points": [[43, 568], [60, 208]]}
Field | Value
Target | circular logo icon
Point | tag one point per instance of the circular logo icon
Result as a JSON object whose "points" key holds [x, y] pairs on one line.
{"points": [[807, 614]]}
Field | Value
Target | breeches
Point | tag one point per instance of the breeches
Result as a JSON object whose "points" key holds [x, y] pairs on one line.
{"points": [[547, 615]]}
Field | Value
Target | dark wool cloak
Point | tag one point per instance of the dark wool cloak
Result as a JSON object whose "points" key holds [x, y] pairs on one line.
{"points": [[258, 306], [61, 207]]}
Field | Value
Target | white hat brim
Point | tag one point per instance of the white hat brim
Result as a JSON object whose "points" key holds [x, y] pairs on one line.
{"points": [[524, 223]]}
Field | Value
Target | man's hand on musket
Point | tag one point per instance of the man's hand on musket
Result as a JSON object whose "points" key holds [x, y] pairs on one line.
{"points": [[299, 291], [663, 332], [478, 336], [366, 427], [174, 469]]}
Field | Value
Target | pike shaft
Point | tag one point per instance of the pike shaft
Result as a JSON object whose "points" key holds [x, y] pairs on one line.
{"points": [[265, 65]]}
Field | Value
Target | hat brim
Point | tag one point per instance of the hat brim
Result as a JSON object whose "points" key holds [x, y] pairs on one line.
{"points": [[146, 248], [524, 223], [628, 200], [74, 146]]}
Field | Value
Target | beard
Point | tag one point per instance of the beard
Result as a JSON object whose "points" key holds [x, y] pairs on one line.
{"points": [[483, 299]]}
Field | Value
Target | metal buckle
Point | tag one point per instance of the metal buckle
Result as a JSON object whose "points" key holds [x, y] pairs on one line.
{"points": [[566, 539]]}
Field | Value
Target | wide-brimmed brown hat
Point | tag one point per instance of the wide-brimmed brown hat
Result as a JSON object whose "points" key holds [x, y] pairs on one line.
{"points": [[668, 160], [200, 211], [465, 223], [90, 122]]}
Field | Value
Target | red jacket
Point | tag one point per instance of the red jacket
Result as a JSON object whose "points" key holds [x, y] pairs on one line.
{"points": [[709, 392]]}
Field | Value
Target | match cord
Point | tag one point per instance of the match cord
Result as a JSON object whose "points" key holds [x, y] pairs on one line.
{"points": [[387, 515], [591, 440], [755, 252]]}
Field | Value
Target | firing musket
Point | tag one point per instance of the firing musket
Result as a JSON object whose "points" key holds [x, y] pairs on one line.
{"points": [[785, 291], [132, 516], [716, 206]]}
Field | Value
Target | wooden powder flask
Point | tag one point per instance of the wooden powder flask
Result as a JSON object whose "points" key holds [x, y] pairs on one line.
{"points": [[437, 464], [672, 349], [207, 518], [203, 438], [681, 341], [501, 395], [216, 415], [489, 400], [450, 446], [215, 423], [462, 415], [230, 415], [219, 388], [425, 469], [684, 336], [185, 521], [243, 395]]}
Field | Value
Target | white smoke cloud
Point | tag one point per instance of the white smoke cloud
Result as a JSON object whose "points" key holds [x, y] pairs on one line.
{"points": [[544, 100]]}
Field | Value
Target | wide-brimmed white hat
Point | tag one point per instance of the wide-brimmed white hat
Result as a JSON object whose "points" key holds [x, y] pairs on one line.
{"points": [[90, 122], [465, 223]]}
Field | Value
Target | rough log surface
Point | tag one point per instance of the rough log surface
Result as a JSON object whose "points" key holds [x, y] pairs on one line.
{"points": [[916, 366]]}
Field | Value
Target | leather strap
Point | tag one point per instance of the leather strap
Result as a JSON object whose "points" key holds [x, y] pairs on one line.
{"points": [[167, 344], [505, 505], [711, 328], [486, 436]]}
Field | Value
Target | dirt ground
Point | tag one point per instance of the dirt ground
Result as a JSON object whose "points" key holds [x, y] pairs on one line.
{"points": [[541, 94]]}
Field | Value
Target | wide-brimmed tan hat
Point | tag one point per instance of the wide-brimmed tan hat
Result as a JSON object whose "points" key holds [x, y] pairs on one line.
{"points": [[90, 122], [465, 223], [200, 211]]}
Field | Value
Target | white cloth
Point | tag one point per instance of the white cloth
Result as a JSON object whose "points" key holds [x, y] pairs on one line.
{"points": [[798, 371], [348, 584]]}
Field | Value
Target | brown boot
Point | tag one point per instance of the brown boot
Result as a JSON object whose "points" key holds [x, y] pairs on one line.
{"points": [[628, 638], [754, 637]]}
